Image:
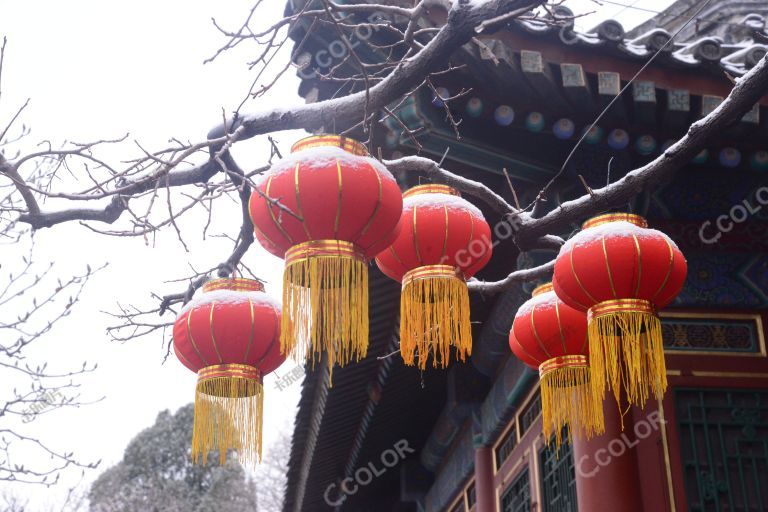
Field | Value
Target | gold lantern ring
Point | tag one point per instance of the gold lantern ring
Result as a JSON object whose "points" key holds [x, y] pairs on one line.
{"points": [[542, 288], [637, 220], [237, 284], [318, 141], [431, 188]]}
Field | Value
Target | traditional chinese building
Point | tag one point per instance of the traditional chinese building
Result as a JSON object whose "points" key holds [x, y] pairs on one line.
{"points": [[386, 437]]}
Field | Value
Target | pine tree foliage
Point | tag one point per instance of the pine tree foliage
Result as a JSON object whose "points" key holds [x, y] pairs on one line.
{"points": [[157, 475]]}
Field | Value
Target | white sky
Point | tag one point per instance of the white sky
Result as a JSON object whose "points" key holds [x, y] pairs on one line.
{"points": [[97, 69]]}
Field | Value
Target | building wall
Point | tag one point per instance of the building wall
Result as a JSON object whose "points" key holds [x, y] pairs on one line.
{"points": [[703, 447]]}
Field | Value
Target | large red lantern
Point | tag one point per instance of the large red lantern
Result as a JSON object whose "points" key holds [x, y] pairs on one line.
{"points": [[443, 241], [327, 209], [551, 337], [229, 336], [622, 273]]}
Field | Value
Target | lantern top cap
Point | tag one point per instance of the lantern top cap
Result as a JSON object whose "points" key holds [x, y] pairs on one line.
{"points": [[637, 220], [339, 141], [542, 288], [237, 284], [431, 188]]}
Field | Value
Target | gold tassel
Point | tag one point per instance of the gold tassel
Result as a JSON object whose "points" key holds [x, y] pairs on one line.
{"points": [[229, 404], [626, 350], [434, 315], [567, 399], [325, 303]]}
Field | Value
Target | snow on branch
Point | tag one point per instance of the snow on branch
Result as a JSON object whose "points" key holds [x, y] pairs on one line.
{"points": [[515, 278], [431, 169], [410, 72], [209, 167]]}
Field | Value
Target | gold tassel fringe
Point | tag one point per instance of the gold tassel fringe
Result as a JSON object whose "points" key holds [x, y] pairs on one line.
{"points": [[567, 400], [325, 304], [626, 351], [434, 315], [228, 416]]}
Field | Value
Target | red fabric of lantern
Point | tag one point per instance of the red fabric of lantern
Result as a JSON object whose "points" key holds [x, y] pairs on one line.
{"points": [[551, 337], [622, 273], [443, 241], [327, 209], [230, 336]]}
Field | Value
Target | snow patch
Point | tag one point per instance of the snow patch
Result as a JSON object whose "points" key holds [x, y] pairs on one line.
{"points": [[621, 229], [320, 159], [229, 297], [543, 302], [437, 201]]}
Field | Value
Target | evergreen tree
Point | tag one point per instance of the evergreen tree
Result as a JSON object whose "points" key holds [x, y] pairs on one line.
{"points": [[157, 475]]}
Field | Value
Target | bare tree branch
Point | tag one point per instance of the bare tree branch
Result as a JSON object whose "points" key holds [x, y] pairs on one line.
{"points": [[515, 278], [748, 90], [432, 170], [462, 20]]}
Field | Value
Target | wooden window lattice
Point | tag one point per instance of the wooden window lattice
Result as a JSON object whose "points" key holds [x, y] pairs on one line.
{"points": [[558, 479], [724, 449], [517, 497]]}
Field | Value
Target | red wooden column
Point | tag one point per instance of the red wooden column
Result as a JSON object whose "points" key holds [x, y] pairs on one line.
{"points": [[486, 497], [607, 476]]}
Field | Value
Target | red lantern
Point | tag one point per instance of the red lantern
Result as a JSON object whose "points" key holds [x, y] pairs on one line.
{"points": [[443, 241], [229, 336], [327, 209], [622, 273], [551, 337]]}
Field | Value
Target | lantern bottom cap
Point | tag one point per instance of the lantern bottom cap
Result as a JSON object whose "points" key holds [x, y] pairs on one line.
{"points": [[432, 272], [323, 249], [613, 306], [567, 361], [223, 380]]}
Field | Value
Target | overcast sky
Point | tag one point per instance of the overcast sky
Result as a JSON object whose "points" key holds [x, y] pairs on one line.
{"points": [[97, 69]]}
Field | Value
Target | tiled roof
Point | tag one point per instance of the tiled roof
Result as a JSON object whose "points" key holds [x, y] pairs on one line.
{"points": [[736, 56]]}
